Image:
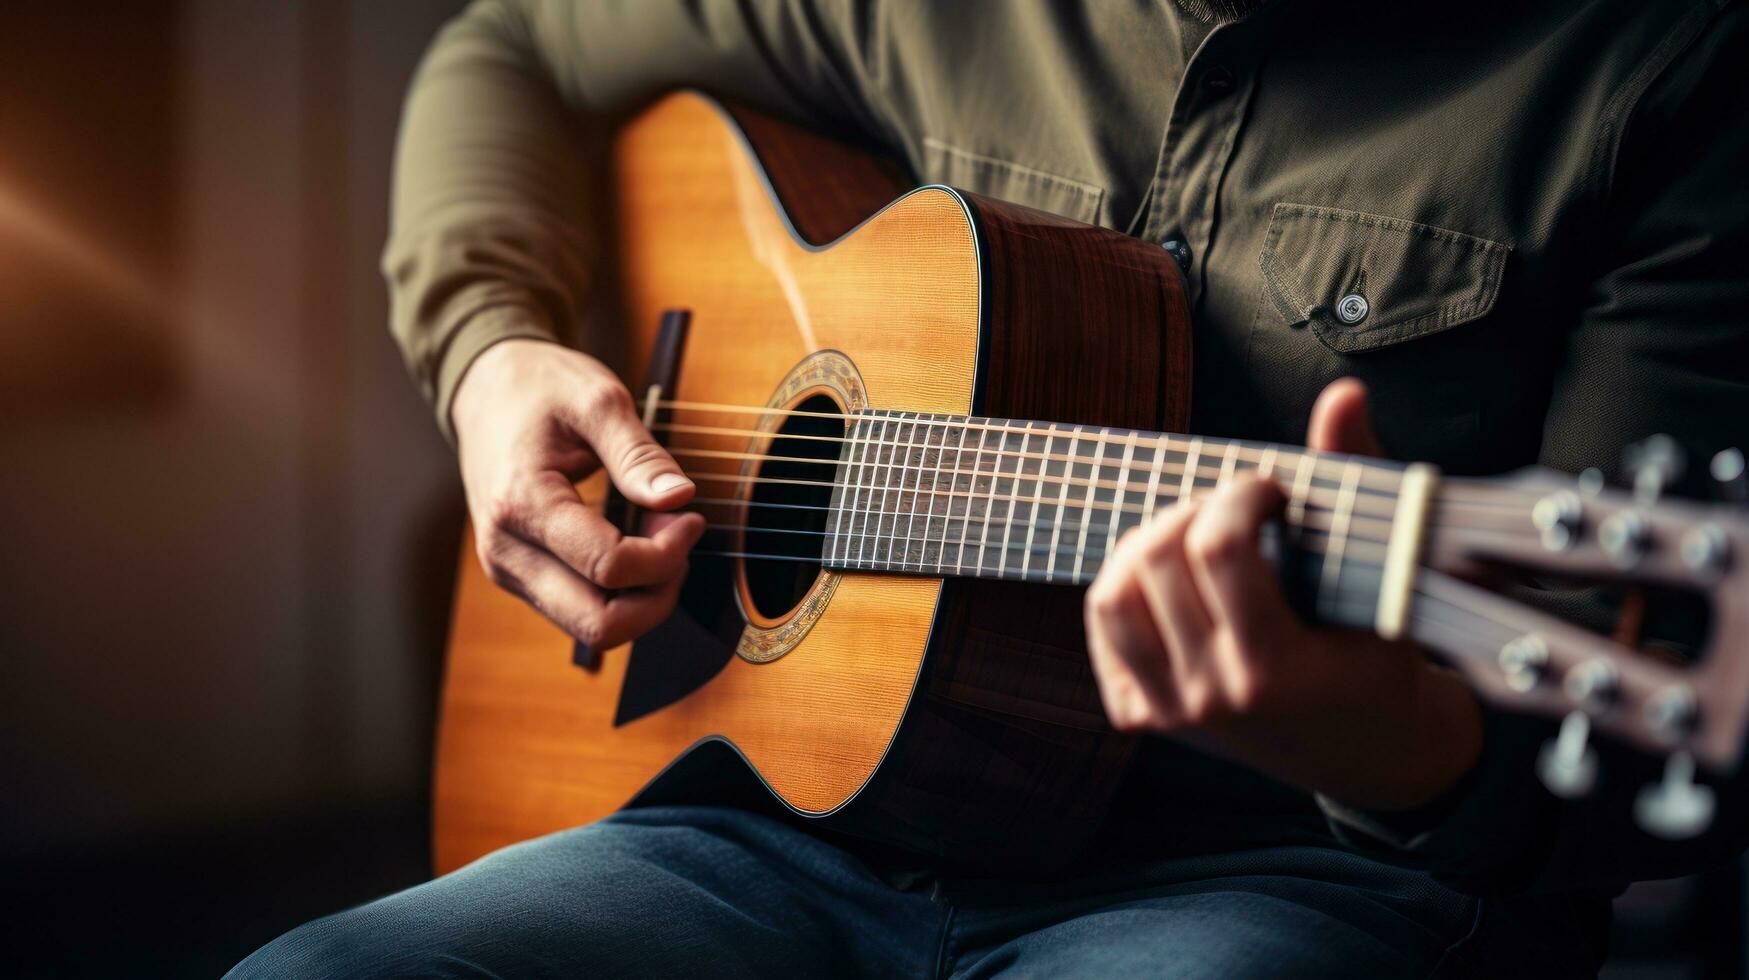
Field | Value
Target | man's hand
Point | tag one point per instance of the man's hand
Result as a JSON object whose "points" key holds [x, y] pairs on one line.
{"points": [[532, 418], [1190, 634]]}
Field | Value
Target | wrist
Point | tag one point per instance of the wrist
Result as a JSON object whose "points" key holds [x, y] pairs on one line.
{"points": [[486, 374], [1447, 740]]}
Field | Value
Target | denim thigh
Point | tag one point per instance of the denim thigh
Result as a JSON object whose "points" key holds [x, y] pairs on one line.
{"points": [[664, 891]]}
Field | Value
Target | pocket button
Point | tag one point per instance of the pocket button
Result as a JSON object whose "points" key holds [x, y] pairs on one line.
{"points": [[1352, 309], [1179, 250]]}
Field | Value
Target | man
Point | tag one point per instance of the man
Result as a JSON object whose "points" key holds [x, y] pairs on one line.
{"points": [[1521, 225]]}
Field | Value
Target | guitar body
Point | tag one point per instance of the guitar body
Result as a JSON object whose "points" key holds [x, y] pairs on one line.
{"points": [[957, 717]]}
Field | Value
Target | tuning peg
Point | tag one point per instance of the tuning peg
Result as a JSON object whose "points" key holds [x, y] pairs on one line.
{"points": [[1728, 473], [1655, 463], [1675, 808], [1567, 765], [1706, 550]]}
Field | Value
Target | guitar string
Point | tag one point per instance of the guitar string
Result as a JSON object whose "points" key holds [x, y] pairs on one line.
{"points": [[1215, 471], [965, 514], [1091, 507], [1097, 553], [913, 459], [1310, 500], [1283, 459], [1244, 450], [1212, 473], [1040, 519], [952, 570]]}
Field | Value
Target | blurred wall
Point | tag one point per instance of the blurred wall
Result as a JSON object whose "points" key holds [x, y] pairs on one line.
{"points": [[221, 597]]}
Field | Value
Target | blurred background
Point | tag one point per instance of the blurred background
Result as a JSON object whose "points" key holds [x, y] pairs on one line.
{"points": [[228, 524]]}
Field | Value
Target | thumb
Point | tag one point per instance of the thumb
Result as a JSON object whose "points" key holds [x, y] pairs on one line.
{"points": [[1342, 420], [635, 461]]}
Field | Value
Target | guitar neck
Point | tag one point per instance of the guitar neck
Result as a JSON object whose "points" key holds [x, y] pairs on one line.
{"points": [[950, 495]]}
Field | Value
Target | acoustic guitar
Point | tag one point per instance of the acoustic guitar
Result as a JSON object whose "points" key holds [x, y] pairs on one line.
{"points": [[918, 423]]}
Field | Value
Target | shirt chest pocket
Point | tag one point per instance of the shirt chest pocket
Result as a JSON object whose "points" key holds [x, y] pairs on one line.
{"points": [[1364, 281]]}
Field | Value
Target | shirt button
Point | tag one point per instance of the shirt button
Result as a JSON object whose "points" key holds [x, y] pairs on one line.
{"points": [[1219, 81], [1179, 251], [1352, 308]]}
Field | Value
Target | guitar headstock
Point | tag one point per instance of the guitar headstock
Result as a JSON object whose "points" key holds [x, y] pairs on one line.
{"points": [[1541, 525]]}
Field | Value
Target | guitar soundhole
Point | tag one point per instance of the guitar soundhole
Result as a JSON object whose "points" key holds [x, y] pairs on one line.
{"points": [[790, 505]]}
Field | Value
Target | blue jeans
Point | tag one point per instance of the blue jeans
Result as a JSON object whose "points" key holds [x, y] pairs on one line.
{"points": [[698, 891]]}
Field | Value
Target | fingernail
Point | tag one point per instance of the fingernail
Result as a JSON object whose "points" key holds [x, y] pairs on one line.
{"points": [[669, 481]]}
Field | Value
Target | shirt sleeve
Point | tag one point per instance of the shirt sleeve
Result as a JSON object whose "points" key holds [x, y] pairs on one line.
{"points": [[492, 232], [1660, 344]]}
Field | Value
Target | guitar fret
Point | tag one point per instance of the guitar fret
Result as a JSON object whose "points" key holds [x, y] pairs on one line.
{"points": [[901, 440], [1296, 507], [1038, 486], [914, 457], [918, 455], [990, 496], [936, 497], [882, 553], [871, 469], [1153, 494], [917, 547], [1093, 480], [1013, 493], [844, 498], [870, 474], [959, 558], [1227, 461], [953, 486], [941, 498], [1115, 531], [1062, 502], [1331, 572], [847, 518], [1190, 458]]}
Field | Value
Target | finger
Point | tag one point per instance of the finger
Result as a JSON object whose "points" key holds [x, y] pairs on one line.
{"points": [[1167, 584], [1342, 420], [578, 607], [637, 464], [1221, 547], [556, 519], [1200, 667], [1128, 655]]}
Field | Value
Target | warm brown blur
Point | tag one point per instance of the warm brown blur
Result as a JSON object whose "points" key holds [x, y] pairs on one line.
{"points": [[227, 520]]}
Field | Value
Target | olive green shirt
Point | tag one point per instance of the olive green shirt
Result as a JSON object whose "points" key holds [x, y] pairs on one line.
{"points": [[1523, 224]]}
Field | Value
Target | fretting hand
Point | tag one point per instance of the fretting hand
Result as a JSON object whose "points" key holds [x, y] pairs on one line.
{"points": [[531, 418], [1191, 635]]}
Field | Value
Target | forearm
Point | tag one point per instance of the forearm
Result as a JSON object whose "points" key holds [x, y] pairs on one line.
{"points": [[494, 232], [491, 231]]}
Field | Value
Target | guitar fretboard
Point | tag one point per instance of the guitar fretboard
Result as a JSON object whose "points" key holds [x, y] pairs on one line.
{"points": [[1032, 501]]}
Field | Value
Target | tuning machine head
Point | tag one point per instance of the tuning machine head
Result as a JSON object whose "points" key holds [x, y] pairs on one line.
{"points": [[1654, 464], [1676, 807], [1728, 473], [1567, 764]]}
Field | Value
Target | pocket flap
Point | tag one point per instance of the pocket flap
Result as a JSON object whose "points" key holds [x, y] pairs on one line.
{"points": [[1363, 281]]}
